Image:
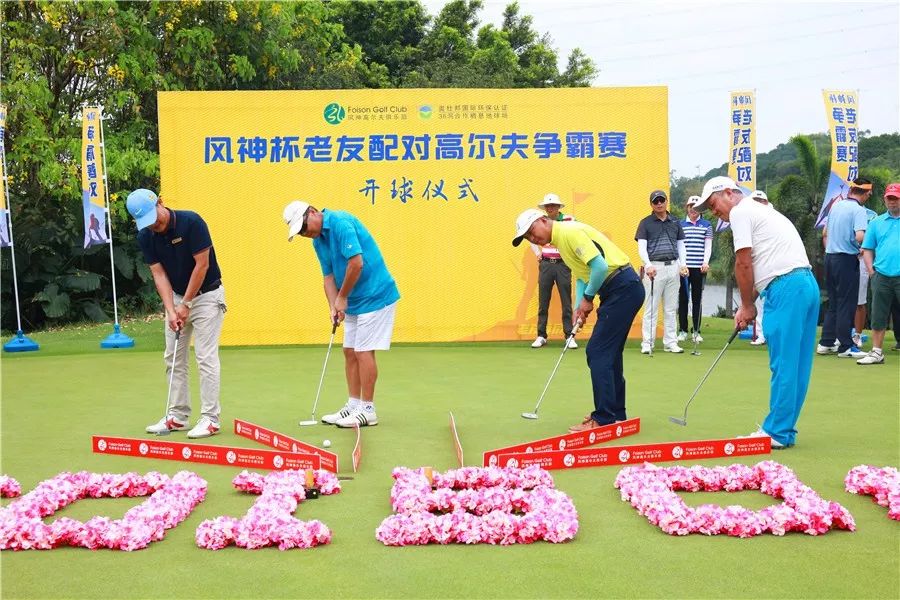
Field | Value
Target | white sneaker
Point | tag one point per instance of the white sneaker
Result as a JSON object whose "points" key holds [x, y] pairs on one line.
{"points": [[852, 352], [874, 357], [538, 342], [204, 428], [820, 349], [166, 425], [682, 335], [333, 418], [360, 417], [571, 344], [697, 338], [776, 445], [645, 348], [759, 341], [674, 348], [857, 340]]}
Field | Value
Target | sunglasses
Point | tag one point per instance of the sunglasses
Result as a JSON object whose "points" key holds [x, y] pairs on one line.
{"points": [[303, 227], [658, 201]]}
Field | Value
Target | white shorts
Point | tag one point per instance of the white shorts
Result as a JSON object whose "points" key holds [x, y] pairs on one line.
{"points": [[863, 284], [371, 330]]}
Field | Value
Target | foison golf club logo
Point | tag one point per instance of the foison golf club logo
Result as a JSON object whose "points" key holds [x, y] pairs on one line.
{"points": [[278, 461], [569, 459], [334, 113], [562, 444], [512, 463], [238, 427], [256, 434], [425, 112], [293, 447], [143, 448], [186, 453], [619, 431], [677, 452], [101, 445], [230, 456], [492, 461], [529, 450], [624, 455], [275, 440], [729, 448], [593, 437]]}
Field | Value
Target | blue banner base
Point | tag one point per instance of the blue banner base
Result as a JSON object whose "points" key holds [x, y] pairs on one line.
{"points": [[117, 339], [20, 343]]}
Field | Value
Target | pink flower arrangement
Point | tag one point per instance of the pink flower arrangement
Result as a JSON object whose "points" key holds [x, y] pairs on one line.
{"points": [[9, 487], [270, 520], [651, 490], [171, 501], [477, 506], [882, 484]]}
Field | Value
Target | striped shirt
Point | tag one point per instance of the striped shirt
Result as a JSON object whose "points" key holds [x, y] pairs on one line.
{"points": [[695, 236], [549, 250]]}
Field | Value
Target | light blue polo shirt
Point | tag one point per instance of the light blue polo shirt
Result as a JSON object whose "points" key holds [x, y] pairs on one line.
{"points": [[883, 237], [845, 219], [343, 237]]}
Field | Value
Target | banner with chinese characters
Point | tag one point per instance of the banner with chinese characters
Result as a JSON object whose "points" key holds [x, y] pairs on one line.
{"points": [[92, 192], [437, 175], [842, 112], [742, 158], [4, 214]]}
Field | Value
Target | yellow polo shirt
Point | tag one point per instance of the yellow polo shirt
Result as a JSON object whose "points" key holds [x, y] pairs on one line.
{"points": [[578, 243]]}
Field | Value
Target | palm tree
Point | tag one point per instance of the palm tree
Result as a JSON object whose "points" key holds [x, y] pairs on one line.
{"points": [[815, 171]]}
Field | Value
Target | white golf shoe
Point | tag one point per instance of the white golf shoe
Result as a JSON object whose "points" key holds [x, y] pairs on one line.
{"points": [[874, 357], [539, 342], [697, 338], [645, 348], [675, 348], [820, 349], [333, 418], [682, 336], [360, 417], [166, 425], [205, 427], [571, 344]]}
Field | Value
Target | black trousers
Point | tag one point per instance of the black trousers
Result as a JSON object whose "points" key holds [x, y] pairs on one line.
{"points": [[693, 283], [549, 274], [842, 284]]}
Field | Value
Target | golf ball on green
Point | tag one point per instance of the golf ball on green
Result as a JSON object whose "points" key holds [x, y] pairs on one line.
{"points": [[326, 444]]}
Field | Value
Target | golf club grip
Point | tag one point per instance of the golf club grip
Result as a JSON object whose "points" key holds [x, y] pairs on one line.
{"points": [[734, 334], [334, 327]]}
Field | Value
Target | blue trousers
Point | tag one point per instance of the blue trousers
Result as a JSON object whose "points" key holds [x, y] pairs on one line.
{"points": [[792, 310], [842, 285], [621, 299]]}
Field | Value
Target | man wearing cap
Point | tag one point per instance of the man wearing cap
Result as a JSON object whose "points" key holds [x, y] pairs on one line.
{"points": [[698, 236], [177, 246], [770, 260], [361, 293], [844, 231], [760, 340], [601, 270], [552, 270], [660, 241], [881, 253]]}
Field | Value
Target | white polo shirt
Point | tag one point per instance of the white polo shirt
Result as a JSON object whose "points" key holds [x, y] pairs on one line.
{"points": [[775, 246]]}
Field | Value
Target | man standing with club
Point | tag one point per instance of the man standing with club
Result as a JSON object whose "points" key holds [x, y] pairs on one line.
{"points": [[770, 260], [601, 270], [881, 253], [552, 270], [177, 246], [660, 241], [360, 291]]}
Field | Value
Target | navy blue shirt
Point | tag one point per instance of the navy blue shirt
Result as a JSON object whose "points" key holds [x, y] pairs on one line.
{"points": [[175, 248]]}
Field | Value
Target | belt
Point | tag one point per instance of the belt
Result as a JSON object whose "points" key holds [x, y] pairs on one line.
{"points": [[552, 260], [666, 262], [612, 276], [210, 287]]}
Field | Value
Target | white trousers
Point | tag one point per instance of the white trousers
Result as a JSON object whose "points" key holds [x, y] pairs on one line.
{"points": [[665, 288]]}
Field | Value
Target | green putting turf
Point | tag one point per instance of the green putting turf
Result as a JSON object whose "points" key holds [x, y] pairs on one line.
{"points": [[55, 399]]}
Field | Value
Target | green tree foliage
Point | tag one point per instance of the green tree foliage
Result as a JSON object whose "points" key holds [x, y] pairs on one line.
{"points": [[59, 56]]}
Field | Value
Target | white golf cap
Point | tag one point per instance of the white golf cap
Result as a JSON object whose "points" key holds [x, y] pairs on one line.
{"points": [[716, 184], [293, 216], [759, 195], [692, 201], [524, 222], [551, 199]]}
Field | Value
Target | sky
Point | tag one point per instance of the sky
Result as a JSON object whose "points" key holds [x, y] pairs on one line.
{"points": [[787, 51]]}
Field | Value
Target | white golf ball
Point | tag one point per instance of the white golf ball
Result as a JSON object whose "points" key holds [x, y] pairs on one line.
{"points": [[326, 444]]}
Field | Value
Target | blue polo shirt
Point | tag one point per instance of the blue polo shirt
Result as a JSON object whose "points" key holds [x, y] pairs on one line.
{"points": [[343, 237], [175, 248], [883, 237], [845, 219]]}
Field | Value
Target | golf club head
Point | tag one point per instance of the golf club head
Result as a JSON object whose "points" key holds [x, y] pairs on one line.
{"points": [[695, 352], [166, 432], [528, 415], [677, 421], [308, 423]]}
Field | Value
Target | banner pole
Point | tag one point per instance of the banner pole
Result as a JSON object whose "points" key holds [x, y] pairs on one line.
{"points": [[20, 343], [116, 339]]}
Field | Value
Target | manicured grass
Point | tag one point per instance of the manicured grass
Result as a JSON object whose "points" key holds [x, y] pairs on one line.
{"points": [[53, 400]]}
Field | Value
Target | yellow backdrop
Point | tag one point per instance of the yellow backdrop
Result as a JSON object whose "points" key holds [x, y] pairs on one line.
{"points": [[238, 157]]}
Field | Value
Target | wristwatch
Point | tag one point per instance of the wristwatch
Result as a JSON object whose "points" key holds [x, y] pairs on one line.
{"points": [[188, 303]]}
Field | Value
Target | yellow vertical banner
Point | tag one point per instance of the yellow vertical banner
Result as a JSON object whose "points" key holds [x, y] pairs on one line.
{"points": [[842, 113], [438, 177], [742, 155], [4, 223], [93, 196]]}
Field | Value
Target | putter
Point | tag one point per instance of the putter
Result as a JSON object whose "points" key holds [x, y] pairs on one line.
{"points": [[534, 415], [171, 377], [695, 352], [652, 324], [312, 420], [683, 420]]}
